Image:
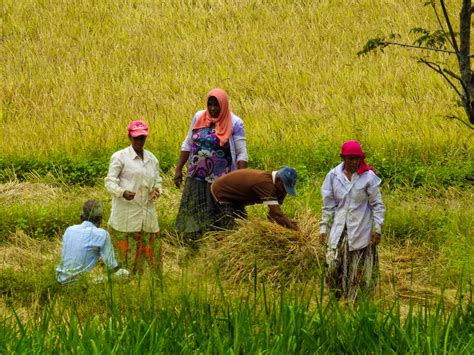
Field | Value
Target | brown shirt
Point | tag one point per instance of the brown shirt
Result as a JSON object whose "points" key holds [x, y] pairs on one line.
{"points": [[247, 187]]}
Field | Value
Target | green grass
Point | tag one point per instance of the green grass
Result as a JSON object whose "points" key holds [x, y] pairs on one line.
{"points": [[182, 319], [422, 304], [75, 73]]}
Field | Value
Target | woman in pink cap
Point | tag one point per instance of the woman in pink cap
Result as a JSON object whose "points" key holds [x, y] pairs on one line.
{"points": [[352, 214], [134, 182], [215, 145]]}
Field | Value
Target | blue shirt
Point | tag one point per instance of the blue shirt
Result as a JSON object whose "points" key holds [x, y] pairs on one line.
{"points": [[83, 245]]}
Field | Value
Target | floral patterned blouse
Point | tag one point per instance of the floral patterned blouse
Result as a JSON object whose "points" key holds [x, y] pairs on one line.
{"points": [[208, 160]]}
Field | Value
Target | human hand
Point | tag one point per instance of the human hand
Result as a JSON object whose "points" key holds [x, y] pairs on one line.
{"points": [[155, 194], [376, 238], [178, 178], [322, 238], [305, 236], [129, 195], [122, 273]]}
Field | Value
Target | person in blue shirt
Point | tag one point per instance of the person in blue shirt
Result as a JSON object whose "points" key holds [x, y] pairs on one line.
{"points": [[83, 244]]}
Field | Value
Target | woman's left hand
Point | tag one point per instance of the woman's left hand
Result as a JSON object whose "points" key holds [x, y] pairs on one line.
{"points": [[376, 238], [155, 194]]}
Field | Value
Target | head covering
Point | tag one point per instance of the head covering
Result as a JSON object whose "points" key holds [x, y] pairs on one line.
{"points": [[92, 210], [288, 176], [354, 148], [137, 128], [223, 122]]}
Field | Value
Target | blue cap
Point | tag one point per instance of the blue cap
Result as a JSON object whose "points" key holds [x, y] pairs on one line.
{"points": [[288, 177]]}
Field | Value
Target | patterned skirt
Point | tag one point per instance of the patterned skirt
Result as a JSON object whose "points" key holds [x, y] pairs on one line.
{"points": [[197, 211], [351, 273]]}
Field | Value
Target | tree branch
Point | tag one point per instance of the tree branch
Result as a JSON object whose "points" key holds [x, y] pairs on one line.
{"points": [[437, 68], [440, 23], [461, 120], [450, 28], [419, 47], [457, 77]]}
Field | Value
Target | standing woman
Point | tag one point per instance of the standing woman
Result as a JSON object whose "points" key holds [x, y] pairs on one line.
{"points": [[214, 146], [134, 182], [353, 214]]}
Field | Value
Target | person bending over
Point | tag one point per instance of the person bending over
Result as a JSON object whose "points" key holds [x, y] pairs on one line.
{"points": [[240, 188]]}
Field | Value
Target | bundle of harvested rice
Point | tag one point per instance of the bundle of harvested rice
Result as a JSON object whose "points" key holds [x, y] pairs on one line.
{"points": [[15, 192], [279, 255], [21, 252]]}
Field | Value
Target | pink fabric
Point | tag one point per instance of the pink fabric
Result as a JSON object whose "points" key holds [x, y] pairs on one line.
{"points": [[223, 122], [354, 148], [137, 128]]}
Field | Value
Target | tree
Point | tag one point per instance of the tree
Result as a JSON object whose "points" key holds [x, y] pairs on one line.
{"points": [[444, 40]]}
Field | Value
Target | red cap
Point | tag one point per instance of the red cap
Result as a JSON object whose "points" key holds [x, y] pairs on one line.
{"points": [[138, 128]]}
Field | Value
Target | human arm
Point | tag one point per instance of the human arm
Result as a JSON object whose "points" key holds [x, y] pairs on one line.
{"points": [[186, 147], [178, 173], [158, 183], [276, 214], [329, 205], [107, 253], [238, 132], [377, 207], [241, 152], [242, 164], [112, 181]]}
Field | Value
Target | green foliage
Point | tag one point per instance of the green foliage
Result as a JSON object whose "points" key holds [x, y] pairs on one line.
{"points": [[434, 39], [411, 169], [40, 221], [83, 171], [24, 286], [187, 320], [376, 43]]}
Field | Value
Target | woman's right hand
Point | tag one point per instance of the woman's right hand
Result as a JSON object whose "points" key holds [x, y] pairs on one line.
{"points": [[178, 178], [178, 173], [322, 239], [128, 195]]}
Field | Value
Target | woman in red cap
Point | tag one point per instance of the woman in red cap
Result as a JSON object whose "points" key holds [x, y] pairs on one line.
{"points": [[134, 182], [215, 145], [353, 214]]}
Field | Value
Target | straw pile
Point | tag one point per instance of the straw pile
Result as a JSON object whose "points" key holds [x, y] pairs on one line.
{"points": [[14, 192], [279, 255], [24, 253]]}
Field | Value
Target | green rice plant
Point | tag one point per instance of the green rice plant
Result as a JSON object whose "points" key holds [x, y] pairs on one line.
{"points": [[76, 74], [188, 320]]}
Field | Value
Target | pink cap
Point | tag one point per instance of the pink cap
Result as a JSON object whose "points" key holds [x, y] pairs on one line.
{"points": [[138, 128], [352, 148]]}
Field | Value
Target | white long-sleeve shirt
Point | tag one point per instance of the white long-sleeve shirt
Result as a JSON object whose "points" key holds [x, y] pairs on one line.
{"points": [[356, 205], [127, 171]]}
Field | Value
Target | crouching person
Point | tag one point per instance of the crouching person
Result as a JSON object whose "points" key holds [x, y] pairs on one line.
{"points": [[83, 244], [240, 188]]}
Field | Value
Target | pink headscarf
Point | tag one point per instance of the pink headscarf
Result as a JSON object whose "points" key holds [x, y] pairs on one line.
{"points": [[354, 148], [223, 122]]}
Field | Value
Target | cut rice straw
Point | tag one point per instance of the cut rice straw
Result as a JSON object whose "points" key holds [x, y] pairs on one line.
{"points": [[277, 255]]}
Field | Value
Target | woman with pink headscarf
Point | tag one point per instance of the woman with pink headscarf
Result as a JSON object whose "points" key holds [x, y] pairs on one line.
{"points": [[353, 214], [214, 146]]}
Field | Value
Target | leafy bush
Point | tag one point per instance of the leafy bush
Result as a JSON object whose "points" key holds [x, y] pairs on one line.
{"points": [[412, 170]]}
